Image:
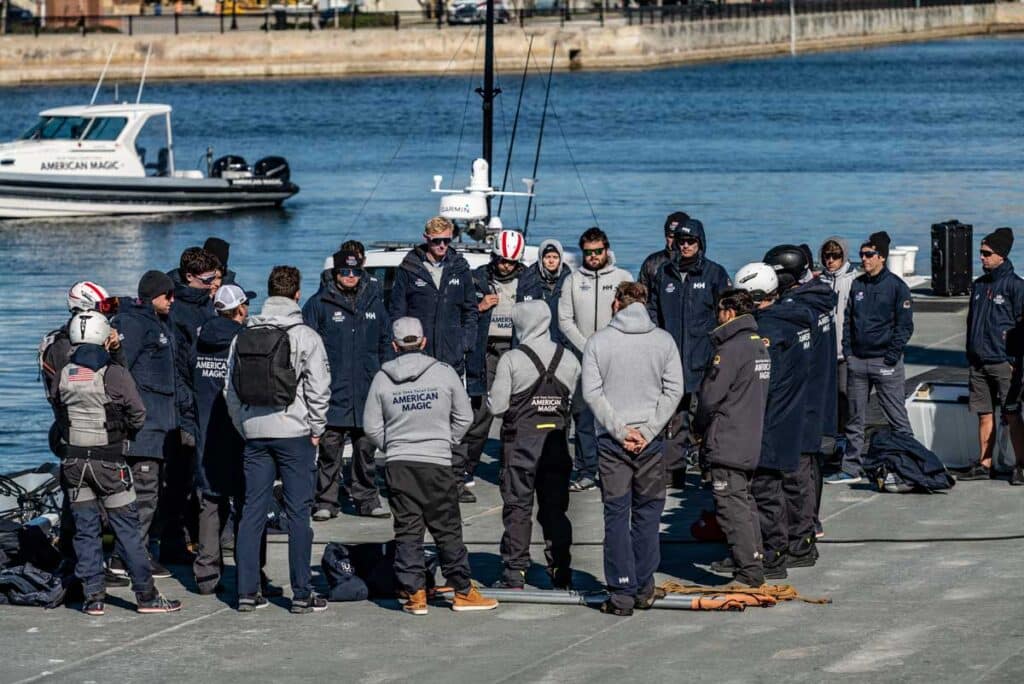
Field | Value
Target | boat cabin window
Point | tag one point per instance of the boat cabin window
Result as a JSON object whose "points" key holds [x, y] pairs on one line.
{"points": [[57, 128], [106, 128]]}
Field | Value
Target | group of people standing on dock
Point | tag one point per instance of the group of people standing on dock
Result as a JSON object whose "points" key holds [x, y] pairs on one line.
{"points": [[177, 411]]}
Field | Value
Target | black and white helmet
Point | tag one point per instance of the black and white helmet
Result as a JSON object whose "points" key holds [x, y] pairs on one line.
{"points": [[89, 327]]}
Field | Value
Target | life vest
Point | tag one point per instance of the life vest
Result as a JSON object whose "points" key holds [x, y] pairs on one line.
{"points": [[541, 407], [87, 419]]}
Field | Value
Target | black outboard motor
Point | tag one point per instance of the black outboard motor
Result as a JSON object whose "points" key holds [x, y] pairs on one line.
{"points": [[227, 163], [273, 167]]}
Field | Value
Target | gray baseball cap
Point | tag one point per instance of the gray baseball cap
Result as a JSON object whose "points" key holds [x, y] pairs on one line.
{"points": [[407, 330]]}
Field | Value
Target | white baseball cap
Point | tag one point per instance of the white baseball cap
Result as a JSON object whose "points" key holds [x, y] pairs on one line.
{"points": [[230, 297]]}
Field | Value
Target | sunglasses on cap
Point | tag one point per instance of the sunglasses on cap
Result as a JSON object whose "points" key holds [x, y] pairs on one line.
{"points": [[348, 272], [440, 240], [832, 256], [597, 251], [987, 252], [868, 253]]}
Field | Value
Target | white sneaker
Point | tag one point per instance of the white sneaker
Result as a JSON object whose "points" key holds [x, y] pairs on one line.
{"points": [[322, 515]]}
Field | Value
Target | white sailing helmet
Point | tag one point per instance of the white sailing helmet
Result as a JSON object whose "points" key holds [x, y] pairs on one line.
{"points": [[89, 327], [757, 277], [510, 245], [86, 296]]}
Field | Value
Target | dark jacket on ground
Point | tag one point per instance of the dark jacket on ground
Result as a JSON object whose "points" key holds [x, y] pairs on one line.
{"points": [[356, 331], [476, 363], [191, 309], [683, 301], [218, 444], [903, 455], [821, 393], [448, 314], [733, 395], [785, 328], [535, 283], [649, 269], [879, 318], [997, 303], [148, 346]]}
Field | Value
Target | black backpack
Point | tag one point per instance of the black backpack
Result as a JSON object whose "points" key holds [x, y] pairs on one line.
{"points": [[262, 374]]}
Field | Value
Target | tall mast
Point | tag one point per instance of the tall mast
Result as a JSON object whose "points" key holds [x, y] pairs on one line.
{"points": [[488, 93]]}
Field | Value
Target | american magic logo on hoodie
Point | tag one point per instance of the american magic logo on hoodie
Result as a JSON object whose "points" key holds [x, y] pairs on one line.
{"points": [[419, 399]]}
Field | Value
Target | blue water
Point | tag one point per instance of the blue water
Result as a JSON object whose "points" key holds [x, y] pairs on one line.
{"points": [[763, 152]]}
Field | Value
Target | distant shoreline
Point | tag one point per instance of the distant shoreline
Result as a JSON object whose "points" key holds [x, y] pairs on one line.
{"points": [[69, 58]]}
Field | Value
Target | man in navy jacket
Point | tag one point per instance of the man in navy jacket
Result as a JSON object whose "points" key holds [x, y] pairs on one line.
{"points": [[349, 315], [683, 301], [997, 303], [878, 324], [543, 281], [434, 285]]}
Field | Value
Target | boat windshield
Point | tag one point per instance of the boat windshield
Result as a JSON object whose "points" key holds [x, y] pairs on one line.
{"points": [[68, 128], [106, 128]]}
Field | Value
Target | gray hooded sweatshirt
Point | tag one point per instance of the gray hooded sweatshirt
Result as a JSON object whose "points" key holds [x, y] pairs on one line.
{"points": [[515, 371], [585, 305], [307, 415], [839, 280], [416, 410], [632, 375]]}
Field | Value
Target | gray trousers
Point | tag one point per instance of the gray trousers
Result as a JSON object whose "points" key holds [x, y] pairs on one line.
{"points": [[888, 383]]}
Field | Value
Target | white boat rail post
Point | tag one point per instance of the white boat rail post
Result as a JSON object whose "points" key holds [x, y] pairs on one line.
{"points": [[170, 146], [142, 81], [102, 75]]}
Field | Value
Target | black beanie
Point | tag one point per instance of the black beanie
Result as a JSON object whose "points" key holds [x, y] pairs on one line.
{"points": [[880, 241], [675, 220], [155, 283], [218, 248], [1001, 241], [548, 248], [347, 258]]}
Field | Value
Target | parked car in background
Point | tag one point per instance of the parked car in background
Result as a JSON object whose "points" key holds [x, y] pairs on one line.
{"points": [[475, 12]]}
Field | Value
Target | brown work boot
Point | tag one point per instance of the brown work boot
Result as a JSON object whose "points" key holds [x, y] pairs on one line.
{"points": [[472, 600], [416, 603]]}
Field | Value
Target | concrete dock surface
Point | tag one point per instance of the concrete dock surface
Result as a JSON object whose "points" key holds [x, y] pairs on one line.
{"points": [[914, 599]]}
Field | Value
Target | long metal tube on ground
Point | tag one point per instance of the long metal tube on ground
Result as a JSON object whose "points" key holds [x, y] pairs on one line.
{"points": [[571, 598]]}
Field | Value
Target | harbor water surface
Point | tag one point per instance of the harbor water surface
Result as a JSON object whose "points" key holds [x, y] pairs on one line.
{"points": [[777, 150]]}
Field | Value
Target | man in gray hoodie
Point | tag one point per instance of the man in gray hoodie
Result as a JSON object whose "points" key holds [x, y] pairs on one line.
{"points": [[839, 273], [532, 389], [584, 307], [281, 439], [632, 381], [416, 411]]}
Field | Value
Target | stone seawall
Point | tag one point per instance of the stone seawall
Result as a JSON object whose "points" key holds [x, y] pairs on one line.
{"points": [[50, 58]]}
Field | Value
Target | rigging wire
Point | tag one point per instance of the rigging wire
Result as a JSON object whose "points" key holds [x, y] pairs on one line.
{"points": [[540, 133], [512, 141], [465, 108]]}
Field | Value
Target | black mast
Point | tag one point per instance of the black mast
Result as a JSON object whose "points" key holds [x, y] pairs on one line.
{"points": [[488, 92]]}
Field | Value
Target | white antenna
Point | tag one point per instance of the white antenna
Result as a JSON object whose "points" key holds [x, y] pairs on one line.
{"points": [[102, 74], [145, 66]]}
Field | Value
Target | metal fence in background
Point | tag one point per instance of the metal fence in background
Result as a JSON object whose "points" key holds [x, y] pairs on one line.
{"points": [[311, 20]]}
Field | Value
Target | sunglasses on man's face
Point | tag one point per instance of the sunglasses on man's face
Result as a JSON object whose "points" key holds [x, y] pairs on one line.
{"points": [[867, 254], [832, 256], [689, 241], [350, 272], [207, 279], [987, 253], [440, 241], [593, 252]]}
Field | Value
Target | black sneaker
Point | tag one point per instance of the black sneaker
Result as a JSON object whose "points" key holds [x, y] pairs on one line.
{"points": [[1017, 478], [647, 602], [115, 580], [270, 590], [975, 472], [610, 608], [248, 604], [115, 566], [777, 569], [310, 604], [512, 579], [210, 591], [158, 571], [93, 606], [466, 496], [157, 603], [561, 578], [804, 560], [723, 567]]}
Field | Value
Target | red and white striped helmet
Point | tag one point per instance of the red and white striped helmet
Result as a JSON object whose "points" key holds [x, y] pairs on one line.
{"points": [[510, 245], [87, 296]]}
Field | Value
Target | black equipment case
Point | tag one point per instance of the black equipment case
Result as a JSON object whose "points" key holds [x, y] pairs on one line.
{"points": [[952, 272]]}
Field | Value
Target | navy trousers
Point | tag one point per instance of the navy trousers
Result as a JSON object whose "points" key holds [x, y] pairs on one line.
{"points": [[633, 493], [295, 459]]}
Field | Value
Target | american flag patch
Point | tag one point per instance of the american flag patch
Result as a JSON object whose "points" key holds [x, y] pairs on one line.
{"points": [[80, 374]]}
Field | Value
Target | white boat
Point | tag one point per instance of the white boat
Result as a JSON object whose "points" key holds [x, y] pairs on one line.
{"points": [[91, 160]]}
